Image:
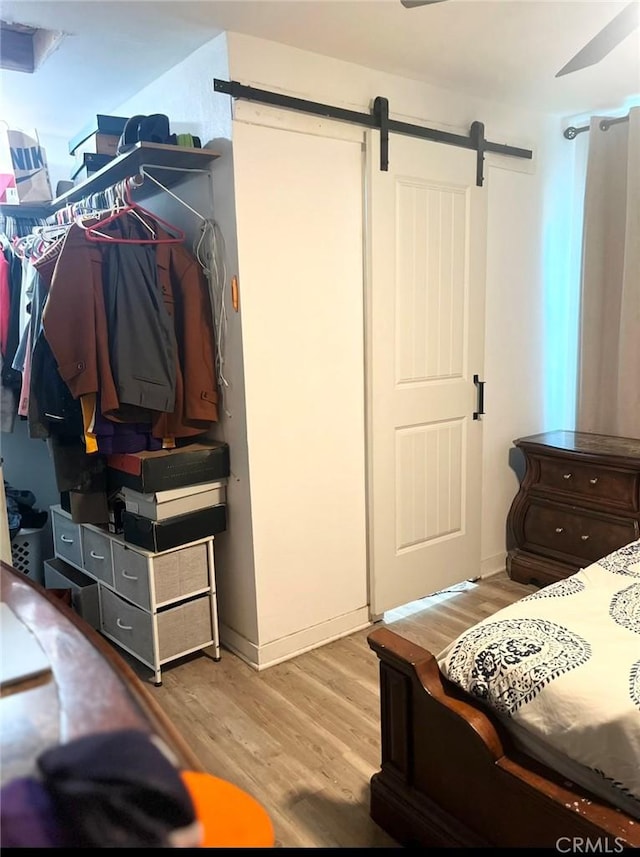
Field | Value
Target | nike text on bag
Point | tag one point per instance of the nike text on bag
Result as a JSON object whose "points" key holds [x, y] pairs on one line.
{"points": [[24, 174]]}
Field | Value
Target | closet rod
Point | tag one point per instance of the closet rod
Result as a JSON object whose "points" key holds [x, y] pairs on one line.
{"points": [[571, 132], [132, 182]]}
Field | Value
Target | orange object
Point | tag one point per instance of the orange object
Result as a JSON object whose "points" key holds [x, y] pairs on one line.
{"points": [[234, 293], [230, 817]]}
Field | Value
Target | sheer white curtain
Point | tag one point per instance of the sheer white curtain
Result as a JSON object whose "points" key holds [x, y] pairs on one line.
{"points": [[609, 343]]}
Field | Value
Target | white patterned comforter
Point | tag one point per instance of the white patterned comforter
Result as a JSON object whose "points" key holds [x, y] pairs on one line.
{"points": [[564, 664]]}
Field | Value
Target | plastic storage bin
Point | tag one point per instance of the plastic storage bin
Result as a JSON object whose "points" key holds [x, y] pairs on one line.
{"points": [[26, 553]]}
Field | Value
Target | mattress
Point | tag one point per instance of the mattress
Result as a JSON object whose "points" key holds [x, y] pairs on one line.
{"points": [[561, 669]]}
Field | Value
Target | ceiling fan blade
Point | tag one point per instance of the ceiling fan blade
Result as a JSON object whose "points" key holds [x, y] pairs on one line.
{"points": [[411, 4], [624, 23]]}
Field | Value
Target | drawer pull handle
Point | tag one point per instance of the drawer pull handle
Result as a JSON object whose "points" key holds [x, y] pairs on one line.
{"points": [[95, 555], [66, 540], [122, 626], [128, 576], [585, 538], [567, 475], [559, 529], [593, 481]]}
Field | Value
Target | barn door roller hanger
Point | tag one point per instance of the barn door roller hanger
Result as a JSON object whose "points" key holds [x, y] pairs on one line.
{"points": [[377, 118]]}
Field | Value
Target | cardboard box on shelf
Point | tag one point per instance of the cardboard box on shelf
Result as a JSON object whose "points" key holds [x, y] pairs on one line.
{"points": [[97, 144], [149, 472], [158, 536], [167, 504], [113, 126]]}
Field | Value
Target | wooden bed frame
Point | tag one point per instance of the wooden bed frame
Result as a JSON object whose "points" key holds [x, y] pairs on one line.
{"points": [[450, 776]]}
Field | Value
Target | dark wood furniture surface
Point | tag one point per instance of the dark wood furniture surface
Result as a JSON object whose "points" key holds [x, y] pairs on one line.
{"points": [[579, 500], [450, 777], [90, 687]]}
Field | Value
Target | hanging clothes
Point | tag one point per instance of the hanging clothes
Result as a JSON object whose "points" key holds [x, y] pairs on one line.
{"points": [[5, 303], [85, 338], [110, 340], [10, 377], [142, 349]]}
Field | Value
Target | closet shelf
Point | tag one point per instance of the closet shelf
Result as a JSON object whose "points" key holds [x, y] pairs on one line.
{"points": [[37, 210], [143, 154]]}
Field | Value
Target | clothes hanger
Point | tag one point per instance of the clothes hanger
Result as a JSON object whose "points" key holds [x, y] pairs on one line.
{"points": [[102, 205], [130, 207]]}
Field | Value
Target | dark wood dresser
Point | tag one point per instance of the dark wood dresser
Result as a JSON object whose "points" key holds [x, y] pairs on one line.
{"points": [[578, 501]]}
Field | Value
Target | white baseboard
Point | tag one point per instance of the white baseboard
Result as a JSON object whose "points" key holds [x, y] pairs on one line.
{"points": [[493, 565], [277, 651]]}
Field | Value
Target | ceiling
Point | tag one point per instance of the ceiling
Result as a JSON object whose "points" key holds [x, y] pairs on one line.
{"points": [[503, 50]]}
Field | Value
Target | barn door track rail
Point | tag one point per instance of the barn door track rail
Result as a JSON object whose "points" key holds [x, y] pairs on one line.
{"points": [[377, 118]]}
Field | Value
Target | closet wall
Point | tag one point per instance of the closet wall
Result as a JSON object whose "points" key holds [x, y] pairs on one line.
{"points": [[185, 93]]}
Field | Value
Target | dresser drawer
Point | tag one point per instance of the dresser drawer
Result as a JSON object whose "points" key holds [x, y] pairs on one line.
{"points": [[126, 624], [96, 555], [181, 629], [180, 573], [574, 534], [66, 537], [131, 575], [175, 575], [590, 481], [185, 627]]}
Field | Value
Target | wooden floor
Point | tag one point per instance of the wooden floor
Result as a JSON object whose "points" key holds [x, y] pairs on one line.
{"points": [[303, 736]]}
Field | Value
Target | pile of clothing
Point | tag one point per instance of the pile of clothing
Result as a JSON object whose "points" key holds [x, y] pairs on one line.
{"points": [[21, 511], [103, 790]]}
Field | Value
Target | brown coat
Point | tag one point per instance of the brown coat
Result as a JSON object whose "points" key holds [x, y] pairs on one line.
{"points": [[75, 326]]}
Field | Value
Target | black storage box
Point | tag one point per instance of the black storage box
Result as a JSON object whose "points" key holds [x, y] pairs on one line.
{"points": [[103, 124], [156, 536], [148, 472], [91, 163]]}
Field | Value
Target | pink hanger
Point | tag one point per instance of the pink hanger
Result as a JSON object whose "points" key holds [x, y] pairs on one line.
{"points": [[131, 207]]}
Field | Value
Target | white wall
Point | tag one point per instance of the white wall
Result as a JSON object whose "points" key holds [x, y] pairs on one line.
{"points": [[529, 245], [300, 226]]}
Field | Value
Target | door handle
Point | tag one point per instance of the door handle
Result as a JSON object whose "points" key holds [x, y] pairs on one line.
{"points": [[480, 390]]}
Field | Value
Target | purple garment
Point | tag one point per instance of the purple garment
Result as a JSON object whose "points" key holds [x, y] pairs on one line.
{"points": [[28, 817], [118, 438]]}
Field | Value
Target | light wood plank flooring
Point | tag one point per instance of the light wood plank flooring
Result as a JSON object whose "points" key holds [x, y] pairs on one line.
{"points": [[303, 736]]}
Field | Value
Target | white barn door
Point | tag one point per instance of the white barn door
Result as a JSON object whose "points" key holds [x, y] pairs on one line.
{"points": [[427, 240]]}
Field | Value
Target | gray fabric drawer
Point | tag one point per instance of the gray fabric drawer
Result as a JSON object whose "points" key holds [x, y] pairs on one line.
{"points": [[96, 555], [180, 629], [185, 627], [127, 624], [131, 575], [84, 591], [66, 536], [180, 573]]}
